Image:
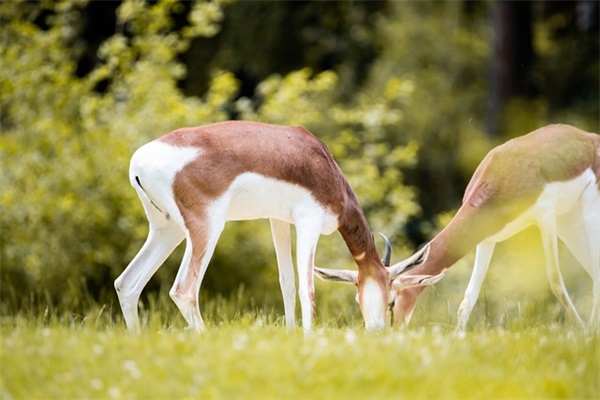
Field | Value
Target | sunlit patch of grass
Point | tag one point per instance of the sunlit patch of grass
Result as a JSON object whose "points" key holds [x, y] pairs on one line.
{"points": [[251, 355]]}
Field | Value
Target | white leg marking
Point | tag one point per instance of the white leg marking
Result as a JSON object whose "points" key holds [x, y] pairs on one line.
{"points": [[483, 257], [283, 249]]}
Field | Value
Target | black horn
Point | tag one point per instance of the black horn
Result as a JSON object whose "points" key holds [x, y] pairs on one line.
{"points": [[388, 251]]}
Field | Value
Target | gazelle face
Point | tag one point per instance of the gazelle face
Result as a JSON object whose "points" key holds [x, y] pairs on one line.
{"points": [[390, 297], [402, 305], [394, 302]]}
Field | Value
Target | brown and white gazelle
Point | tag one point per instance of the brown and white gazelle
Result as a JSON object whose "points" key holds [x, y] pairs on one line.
{"points": [[192, 180], [549, 178]]}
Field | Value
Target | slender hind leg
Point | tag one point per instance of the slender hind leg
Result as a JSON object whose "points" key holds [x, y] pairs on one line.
{"points": [[591, 213], [548, 229], [580, 231], [163, 237], [283, 250], [200, 246], [483, 256]]}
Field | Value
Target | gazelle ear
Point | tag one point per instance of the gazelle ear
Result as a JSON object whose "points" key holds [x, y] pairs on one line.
{"points": [[405, 265], [406, 281], [337, 275]]}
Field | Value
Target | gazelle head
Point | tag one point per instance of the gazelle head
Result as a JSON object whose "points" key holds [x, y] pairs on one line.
{"points": [[403, 288]]}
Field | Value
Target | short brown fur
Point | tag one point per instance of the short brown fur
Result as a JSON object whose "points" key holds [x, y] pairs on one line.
{"points": [[508, 181], [280, 152]]}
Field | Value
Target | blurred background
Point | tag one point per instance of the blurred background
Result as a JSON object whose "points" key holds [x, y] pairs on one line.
{"points": [[409, 96]]}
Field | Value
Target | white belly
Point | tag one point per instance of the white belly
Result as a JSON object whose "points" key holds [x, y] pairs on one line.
{"points": [[253, 196], [558, 197]]}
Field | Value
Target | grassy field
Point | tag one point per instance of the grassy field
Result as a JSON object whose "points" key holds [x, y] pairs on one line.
{"points": [[250, 355]]}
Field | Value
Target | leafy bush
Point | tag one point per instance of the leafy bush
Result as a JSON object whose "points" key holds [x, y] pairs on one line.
{"points": [[70, 221]]}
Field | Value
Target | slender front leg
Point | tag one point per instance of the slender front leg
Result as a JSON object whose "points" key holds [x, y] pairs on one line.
{"points": [[307, 236], [483, 257], [283, 250]]}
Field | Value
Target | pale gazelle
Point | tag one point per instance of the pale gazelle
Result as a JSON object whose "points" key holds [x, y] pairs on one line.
{"points": [[191, 181], [549, 178]]}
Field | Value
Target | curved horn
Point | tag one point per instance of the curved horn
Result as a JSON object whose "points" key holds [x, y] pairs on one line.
{"points": [[409, 263], [406, 281], [388, 251]]}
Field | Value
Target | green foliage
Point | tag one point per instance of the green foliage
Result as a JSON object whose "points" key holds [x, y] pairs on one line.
{"points": [[405, 103], [70, 221], [432, 74], [354, 135]]}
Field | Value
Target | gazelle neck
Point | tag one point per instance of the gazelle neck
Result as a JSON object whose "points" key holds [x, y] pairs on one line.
{"points": [[506, 184], [445, 249], [354, 228], [469, 227], [373, 278]]}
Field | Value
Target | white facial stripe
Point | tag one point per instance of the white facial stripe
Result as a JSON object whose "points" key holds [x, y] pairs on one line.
{"points": [[373, 305]]}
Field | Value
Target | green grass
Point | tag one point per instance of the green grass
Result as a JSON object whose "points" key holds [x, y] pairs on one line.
{"points": [[520, 344], [251, 355]]}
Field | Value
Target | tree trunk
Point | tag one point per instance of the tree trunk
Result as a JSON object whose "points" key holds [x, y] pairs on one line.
{"points": [[511, 58]]}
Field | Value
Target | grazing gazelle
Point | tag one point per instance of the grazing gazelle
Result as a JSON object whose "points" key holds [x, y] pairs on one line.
{"points": [[549, 178], [192, 180]]}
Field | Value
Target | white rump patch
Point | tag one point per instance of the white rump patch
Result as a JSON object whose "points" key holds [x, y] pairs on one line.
{"points": [[155, 165], [161, 159]]}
